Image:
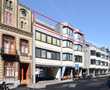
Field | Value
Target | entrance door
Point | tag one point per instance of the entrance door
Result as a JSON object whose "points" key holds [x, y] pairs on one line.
{"points": [[24, 68]]}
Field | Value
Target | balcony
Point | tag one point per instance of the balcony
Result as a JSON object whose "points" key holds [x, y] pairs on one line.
{"points": [[8, 51]]}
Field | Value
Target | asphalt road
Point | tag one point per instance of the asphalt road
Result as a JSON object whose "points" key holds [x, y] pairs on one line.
{"points": [[93, 84]]}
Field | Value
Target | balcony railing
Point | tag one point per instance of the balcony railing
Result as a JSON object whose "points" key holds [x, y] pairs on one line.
{"points": [[8, 51]]}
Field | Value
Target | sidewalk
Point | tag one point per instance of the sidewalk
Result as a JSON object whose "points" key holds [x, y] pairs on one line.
{"points": [[43, 84]]}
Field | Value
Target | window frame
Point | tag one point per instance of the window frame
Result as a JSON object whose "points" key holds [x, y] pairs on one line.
{"points": [[26, 45]]}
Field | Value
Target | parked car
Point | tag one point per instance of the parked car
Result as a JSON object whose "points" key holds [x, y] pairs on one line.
{"points": [[108, 81]]}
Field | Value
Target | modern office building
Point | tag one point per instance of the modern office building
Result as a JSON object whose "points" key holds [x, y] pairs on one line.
{"points": [[15, 43]]}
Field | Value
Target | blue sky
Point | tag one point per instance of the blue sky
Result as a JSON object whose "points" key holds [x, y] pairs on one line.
{"points": [[92, 17]]}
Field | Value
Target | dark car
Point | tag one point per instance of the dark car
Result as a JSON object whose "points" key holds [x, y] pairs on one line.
{"points": [[108, 82]]}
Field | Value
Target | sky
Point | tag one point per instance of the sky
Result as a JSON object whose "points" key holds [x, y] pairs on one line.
{"points": [[92, 17]]}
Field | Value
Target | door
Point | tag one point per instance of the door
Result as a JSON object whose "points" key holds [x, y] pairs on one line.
{"points": [[24, 69]]}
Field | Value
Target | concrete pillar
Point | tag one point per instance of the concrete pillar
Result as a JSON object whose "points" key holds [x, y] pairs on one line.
{"points": [[99, 71], [58, 75], [88, 71], [71, 74], [80, 73], [94, 73], [63, 71]]}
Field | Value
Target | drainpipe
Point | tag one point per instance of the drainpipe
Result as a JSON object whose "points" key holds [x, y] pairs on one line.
{"points": [[33, 56]]}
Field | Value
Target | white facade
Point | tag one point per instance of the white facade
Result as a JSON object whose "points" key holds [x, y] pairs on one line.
{"points": [[61, 52]]}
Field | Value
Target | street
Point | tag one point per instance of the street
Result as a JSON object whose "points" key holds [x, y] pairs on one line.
{"points": [[93, 84]]}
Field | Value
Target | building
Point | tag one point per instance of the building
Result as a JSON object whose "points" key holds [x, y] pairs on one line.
{"points": [[31, 50], [53, 51], [61, 52], [98, 60], [15, 43]]}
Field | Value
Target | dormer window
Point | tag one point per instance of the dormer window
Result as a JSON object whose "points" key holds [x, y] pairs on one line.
{"points": [[23, 12]]}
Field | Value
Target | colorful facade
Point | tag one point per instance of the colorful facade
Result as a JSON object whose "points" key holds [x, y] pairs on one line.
{"points": [[15, 43]]}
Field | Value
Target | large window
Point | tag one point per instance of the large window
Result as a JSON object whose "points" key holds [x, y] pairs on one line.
{"points": [[24, 46], [98, 54], [38, 52], [78, 47], [43, 53], [47, 39], [78, 37], [67, 44], [9, 46], [54, 41], [38, 36], [67, 56], [93, 52], [9, 69], [78, 58], [43, 37], [93, 61], [47, 54], [67, 31], [7, 18]]}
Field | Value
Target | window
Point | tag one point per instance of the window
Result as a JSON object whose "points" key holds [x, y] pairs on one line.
{"points": [[65, 31], [78, 58], [57, 56], [49, 39], [58, 42], [54, 41], [38, 36], [22, 24], [98, 54], [38, 52], [77, 36], [8, 18], [97, 62], [107, 57], [43, 37], [9, 69], [8, 4], [78, 47], [67, 44], [103, 56], [49, 55], [9, 44], [43, 53], [106, 63], [24, 46], [93, 52], [93, 61], [67, 56], [23, 12]]}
